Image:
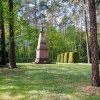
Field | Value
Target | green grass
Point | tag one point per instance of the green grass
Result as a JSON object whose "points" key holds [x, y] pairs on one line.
{"points": [[48, 82]]}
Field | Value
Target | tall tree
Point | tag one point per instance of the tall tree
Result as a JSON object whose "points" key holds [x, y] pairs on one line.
{"points": [[35, 17], [94, 44], [11, 31], [3, 51], [86, 31]]}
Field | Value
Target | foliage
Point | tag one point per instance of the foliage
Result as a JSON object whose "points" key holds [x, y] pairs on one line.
{"points": [[27, 40], [82, 51], [70, 39], [54, 42], [75, 41]]}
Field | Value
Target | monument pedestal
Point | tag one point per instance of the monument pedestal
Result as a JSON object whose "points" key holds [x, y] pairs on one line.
{"points": [[41, 51]]}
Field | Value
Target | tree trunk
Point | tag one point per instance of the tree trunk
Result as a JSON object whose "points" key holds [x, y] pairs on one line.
{"points": [[63, 22], [11, 31], [3, 50], [53, 16], [94, 44], [86, 30], [35, 18]]}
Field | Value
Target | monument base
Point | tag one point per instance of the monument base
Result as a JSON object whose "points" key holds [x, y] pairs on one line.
{"points": [[42, 61]]}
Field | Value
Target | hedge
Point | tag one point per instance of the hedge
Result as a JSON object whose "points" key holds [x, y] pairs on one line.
{"points": [[58, 58], [73, 57], [62, 58], [66, 56]]}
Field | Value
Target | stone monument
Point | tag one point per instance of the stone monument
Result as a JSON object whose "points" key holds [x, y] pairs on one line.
{"points": [[41, 51]]}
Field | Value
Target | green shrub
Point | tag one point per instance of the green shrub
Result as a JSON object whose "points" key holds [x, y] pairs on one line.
{"points": [[24, 60], [66, 55], [58, 58], [62, 58], [73, 57]]}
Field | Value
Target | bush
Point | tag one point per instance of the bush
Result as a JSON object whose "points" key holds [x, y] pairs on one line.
{"points": [[62, 58], [58, 58], [24, 60], [73, 57], [66, 56]]}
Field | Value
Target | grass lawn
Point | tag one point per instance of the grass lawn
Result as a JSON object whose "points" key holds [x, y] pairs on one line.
{"points": [[48, 82]]}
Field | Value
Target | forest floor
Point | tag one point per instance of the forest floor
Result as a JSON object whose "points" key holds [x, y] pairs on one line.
{"points": [[48, 82]]}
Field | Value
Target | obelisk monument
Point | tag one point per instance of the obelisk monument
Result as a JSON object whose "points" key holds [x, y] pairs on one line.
{"points": [[41, 51]]}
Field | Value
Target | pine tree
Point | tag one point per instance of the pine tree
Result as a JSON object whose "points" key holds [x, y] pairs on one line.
{"points": [[3, 50], [94, 44], [11, 31]]}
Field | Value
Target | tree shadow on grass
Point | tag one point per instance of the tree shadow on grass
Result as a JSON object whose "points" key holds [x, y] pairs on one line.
{"points": [[55, 80]]}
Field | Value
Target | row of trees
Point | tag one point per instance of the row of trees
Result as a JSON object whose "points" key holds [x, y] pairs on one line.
{"points": [[20, 21], [11, 36]]}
